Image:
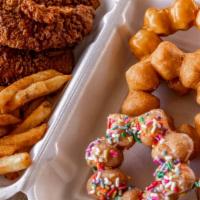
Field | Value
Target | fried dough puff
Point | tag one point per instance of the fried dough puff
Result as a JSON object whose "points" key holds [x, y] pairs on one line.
{"points": [[139, 102], [172, 179], [193, 134], [118, 131], [100, 154], [142, 76], [133, 194], [180, 16], [183, 14], [108, 183], [174, 145], [143, 43], [158, 21], [167, 60]]}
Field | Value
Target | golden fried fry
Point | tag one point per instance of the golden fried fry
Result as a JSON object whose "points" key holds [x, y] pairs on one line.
{"points": [[2, 88], [26, 139], [138, 102], [14, 163], [7, 119], [35, 91], [37, 117], [7, 150], [9, 92], [30, 107], [142, 76]]}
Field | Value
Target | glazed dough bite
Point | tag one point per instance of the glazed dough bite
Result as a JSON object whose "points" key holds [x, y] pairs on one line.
{"points": [[152, 127], [143, 43], [190, 70], [172, 179], [198, 20], [138, 102], [142, 76], [167, 60], [192, 133], [158, 21], [178, 87], [133, 194], [100, 154], [119, 132], [108, 184], [183, 14], [174, 145], [197, 123]]}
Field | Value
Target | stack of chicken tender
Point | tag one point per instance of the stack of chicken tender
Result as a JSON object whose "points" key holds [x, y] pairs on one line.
{"points": [[37, 35]]}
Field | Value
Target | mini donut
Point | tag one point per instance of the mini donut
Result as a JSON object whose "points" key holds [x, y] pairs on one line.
{"points": [[197, 122], [174, 145], [171, 180], [152, 126], [167, 60], [142, 76], [198, 20], [140, 45], [190, 70], [158, 21], [177, 86], [119, 131], [193, 134], [183, 14], [139, 102], [99, 154], [133, 194], [108, 184]]}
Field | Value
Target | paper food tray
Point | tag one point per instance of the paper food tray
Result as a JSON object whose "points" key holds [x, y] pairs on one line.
{"points": [[98, 89], [82, 52]]}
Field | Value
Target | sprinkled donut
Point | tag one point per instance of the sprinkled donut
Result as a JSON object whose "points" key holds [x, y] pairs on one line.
{"points": [[170, 151]]}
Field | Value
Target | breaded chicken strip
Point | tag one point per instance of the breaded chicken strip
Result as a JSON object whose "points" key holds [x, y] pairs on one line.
{"points": [[16, 64], [69, 27]]}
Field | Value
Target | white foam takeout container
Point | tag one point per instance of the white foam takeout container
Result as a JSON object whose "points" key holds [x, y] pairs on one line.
{"points": [[59, 170]]}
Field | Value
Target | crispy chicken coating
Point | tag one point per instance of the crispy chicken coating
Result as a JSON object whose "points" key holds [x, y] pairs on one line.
{"points": [[16, 64], [68, 27]]}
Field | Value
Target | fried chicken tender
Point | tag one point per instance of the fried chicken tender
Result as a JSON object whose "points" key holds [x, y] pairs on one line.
{"points": [[16, 64], [142, 76], [167, 60], [138, 102], [19, 31]]}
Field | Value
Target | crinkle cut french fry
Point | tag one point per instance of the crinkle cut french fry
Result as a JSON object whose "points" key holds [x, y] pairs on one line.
{"points": [[36, 90], [7, 93], [37, 117], [14, 163], [8, 119], [26, 139], [7, 150]]}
